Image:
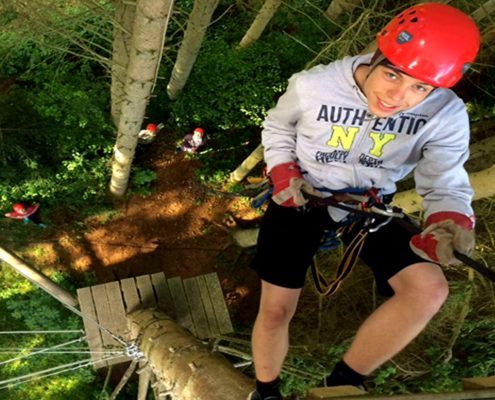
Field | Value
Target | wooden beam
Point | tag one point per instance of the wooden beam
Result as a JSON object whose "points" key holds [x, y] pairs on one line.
{"points": [[38, 278], [182, 363], [466, 395], [478, 383]]}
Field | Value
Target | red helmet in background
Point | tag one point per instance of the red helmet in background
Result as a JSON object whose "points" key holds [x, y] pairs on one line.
{"points": [[151, 127], [199, 131], [19, 208], [432, 42]]}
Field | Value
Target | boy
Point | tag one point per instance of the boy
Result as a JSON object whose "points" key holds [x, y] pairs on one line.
{"points": [[359, 125]]}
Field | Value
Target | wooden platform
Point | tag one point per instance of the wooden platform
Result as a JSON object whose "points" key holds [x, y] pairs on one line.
{"points": [[197, 304]]}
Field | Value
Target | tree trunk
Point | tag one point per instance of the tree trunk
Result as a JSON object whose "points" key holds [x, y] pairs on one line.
{"points": [[181, 363], [483, 183], [485, 10], [38, 278], [122, 33], [260, 22], [247, 165], [149, 28], [337, 7], [196, 28]]}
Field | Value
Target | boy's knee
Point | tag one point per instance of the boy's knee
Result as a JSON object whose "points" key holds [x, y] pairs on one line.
{"points": [[275, 316]]}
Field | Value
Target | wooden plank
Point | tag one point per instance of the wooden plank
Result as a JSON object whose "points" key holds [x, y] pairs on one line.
{"points": [[119, 320], [131, 295], [218, 301], [208, 306], [182, 312], [104, 314], [487, 382], [196, 306], [334, 391], [146, 293], [163, 293], [93, 333], [118, 325], [466, 395]]}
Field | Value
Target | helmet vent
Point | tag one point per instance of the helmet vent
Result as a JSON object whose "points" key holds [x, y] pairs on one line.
{"points": [[415, 19], [402, 21]]}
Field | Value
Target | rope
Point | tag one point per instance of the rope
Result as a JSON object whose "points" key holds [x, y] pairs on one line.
{"points": [[8, 383], [85, 351], [104, 329], [42, 351], [37, 332]]}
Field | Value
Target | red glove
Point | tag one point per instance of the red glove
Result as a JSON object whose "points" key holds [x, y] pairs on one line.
{"points": [[444, 232], [288, 185]]}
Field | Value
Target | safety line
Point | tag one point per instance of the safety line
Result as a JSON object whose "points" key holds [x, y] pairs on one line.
{"points": [[49, 372], [42, 351], [104, 329], [37, 332]]}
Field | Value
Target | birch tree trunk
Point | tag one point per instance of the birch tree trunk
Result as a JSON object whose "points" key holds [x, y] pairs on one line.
{"points": [[337, 7], [122, 33], [184, 367], [483, 183], [149, 28], [260, 22], [188, 52], [247, 165]]}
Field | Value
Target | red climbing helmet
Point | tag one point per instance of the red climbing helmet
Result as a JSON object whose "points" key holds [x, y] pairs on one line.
{"points": [[432, 42], [151, 127], [19, 208], [199, 131]]}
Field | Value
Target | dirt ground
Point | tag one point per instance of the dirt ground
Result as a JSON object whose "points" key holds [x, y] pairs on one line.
{"points": [[181, 229]]}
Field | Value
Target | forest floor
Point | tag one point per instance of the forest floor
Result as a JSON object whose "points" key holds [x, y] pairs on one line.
{"points": [[181, 229]]}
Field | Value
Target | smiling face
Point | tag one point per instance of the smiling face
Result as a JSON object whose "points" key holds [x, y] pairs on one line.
{"points": [[390, 91]]}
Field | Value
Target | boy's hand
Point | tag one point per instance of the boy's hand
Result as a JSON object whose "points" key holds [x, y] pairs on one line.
{"points": [[288, 185], [444, 232]]}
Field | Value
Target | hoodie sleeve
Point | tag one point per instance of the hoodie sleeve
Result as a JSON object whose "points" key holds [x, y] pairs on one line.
{"points": [[440, 176], [280, 127]]}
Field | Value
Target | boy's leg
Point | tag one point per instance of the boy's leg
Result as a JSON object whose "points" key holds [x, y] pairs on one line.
{"points": [[418, 290], [270, 339], [287, 241]]}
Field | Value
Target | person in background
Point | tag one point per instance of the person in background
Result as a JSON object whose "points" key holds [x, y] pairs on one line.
{"points": [[147, 135], [195, 142], [356, 127], [29, 214]]}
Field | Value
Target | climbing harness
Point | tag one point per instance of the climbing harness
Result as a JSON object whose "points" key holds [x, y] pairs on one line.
{"points": [[378, 215], [367, 205], [366, 209]]}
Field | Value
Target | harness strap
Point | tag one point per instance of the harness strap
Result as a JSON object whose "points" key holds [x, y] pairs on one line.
{"points": [[352, 251]]}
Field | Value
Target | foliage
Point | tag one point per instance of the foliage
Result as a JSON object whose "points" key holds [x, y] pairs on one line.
{"points": [[59, 106], [141, 181], [56, 139], [18, 300]]}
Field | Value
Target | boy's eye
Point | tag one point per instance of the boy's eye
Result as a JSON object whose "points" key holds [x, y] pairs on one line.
{"points": [[390, 75]]}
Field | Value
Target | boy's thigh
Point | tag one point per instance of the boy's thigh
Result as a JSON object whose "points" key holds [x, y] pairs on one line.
{"points": [[387, 252], [287, 242]]}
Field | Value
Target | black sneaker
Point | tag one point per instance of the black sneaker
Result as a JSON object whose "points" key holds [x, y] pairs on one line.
{"points": [[256, 396]]}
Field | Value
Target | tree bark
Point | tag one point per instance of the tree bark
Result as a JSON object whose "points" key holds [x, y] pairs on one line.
{"points": [[188, 52], [337, 7], [481, 181], [247, 165], [122, 33], [259, 24], [181, 363], [38, 278], [149, 28]]}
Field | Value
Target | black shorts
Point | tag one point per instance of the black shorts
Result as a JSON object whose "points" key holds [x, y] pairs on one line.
{"points": [[290, 237]]}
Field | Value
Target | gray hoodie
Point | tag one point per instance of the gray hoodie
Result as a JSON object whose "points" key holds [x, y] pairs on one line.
{"points": [[322, 122]]}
